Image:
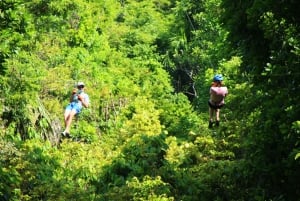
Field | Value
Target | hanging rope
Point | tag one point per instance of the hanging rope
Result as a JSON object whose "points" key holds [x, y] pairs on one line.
{"points": [[190, 21]]}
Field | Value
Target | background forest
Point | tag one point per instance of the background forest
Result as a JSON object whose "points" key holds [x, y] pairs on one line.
{"points": [[148, 66]]}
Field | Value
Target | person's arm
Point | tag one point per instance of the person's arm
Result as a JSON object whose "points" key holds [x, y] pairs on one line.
{"points": [[72, 95], [84, 100]]}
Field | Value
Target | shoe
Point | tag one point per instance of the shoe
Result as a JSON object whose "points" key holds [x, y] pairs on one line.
{"points": [[66, 134], [210, 124], [217, 123]]}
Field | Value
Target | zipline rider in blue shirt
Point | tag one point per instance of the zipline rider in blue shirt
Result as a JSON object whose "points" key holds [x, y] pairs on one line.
{"points": [[78, 100]]}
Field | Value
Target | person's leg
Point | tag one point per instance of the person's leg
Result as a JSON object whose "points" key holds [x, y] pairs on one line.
{"points": [[68, 120], [211, 116], [211, 111], [66, 115], [68, 110], [217, 117], [217, 114]]}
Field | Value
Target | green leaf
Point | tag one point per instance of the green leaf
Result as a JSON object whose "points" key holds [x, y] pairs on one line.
{"points": [[297, 156]]}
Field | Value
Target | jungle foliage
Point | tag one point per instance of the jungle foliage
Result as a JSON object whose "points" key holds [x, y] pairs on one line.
{"points": [[147, 66]]}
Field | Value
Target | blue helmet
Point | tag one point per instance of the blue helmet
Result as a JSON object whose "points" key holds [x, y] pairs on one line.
{"points": [[218, 78]]}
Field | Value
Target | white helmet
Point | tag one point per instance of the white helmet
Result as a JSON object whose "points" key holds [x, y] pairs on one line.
{"points": [[80, 84]]}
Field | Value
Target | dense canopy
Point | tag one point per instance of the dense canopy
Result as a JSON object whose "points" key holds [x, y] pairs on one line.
{"points": [[147, 66]]}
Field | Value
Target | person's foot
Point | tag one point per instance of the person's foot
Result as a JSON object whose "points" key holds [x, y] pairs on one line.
{"points": [[210, 124], [217, 123], [66, 134]]}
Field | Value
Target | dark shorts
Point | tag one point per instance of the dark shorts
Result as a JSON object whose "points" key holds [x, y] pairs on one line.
{"points": [[215, 106]]}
